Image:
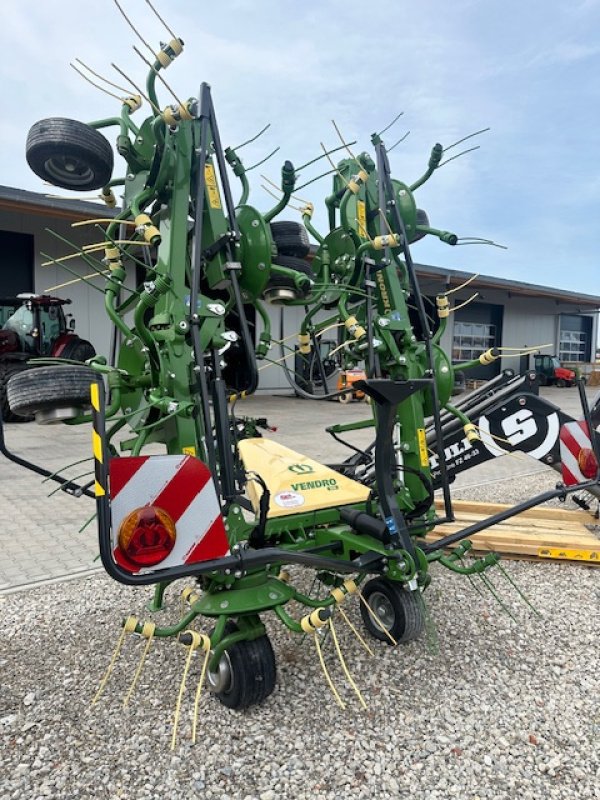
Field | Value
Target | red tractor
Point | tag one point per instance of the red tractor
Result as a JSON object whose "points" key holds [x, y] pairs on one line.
{"points": [[34, 326], [550, 372]]}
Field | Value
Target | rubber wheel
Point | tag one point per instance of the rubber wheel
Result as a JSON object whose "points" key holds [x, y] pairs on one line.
{"points": [[291, 239], [7, 371], [252, 672], [289, 262], [422, 219], [345, 398], [561, 383], [48, 388], [69, 154], [78, 349], [398, 610]]}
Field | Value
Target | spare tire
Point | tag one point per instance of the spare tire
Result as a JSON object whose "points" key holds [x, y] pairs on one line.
{"points": [[9, 369], [52, 393], [291, 239], [69, 154]]}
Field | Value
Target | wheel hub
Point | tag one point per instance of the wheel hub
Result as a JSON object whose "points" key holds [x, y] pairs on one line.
{"points": [[221, 680], [383, 609]]}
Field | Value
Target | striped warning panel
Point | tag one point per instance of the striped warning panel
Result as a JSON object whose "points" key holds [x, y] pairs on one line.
{"points": [[574, 437], [182, 486]]}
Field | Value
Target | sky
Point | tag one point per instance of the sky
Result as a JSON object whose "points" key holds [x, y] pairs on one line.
{"points": [[525, 69]]}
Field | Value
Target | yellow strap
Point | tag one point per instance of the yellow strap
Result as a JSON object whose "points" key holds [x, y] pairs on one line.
{"points": [[376, 619], [334, 691], [350, 586], [443, 306], [387, 240], [164, 59], [307, 210], [488, 357], [284, 576], [128, 627], [134, 102], [148, 633], [112, 253], [176, 46], [304, 343], [471, 432], [344, 666], [338, 595], [142, 219]]}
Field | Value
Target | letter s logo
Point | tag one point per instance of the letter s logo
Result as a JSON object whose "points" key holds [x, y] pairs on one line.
{"points": [[519, 426]]}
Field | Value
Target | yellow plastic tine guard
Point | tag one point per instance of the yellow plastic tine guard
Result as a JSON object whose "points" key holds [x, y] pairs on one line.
{"points": [[376, 619], [206, 648], [197, 640], [330, 683], [344, 666], [128, 627], [148, 629]]}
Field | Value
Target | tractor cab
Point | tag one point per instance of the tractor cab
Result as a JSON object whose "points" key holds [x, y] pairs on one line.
{"points": [[31, 324]]}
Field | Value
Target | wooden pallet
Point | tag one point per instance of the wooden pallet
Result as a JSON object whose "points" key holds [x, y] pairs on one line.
{"points": [[540, 533]]}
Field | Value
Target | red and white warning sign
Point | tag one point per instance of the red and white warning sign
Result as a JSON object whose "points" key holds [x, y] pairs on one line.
{"points": [[576, 453], [164, 512]]}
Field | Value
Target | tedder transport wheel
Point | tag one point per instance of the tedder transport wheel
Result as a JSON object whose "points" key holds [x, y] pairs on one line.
{"points": [[78, 349], [398, 610], [280, 287], [246, 673], [69, 154], [7, 370], [291, 239], [52, 393]]}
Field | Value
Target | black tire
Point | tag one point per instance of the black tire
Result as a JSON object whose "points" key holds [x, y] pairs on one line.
{"points": [[399, 610], [291, 239], [78, 349], [289, 262], [7, 370], [252, 672], [48, 388], [422, 219], [69, 154], [561, 383]]}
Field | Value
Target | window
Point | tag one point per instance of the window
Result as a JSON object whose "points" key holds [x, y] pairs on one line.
{"points": [[471, 339], [573, 345]]}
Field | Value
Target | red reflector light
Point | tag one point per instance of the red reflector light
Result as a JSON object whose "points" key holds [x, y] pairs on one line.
{"points": [[147, 536], [587, 462]]}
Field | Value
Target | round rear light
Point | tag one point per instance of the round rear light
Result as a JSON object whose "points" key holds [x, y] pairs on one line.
{"points": [[587, 462], [147, 536]]}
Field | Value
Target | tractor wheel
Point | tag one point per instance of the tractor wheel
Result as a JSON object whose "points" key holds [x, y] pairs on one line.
{"points": [[280, 287], [69, 154], [78, 349], [53, 393], [7, 370], [398, 610], [561, 383], [246, 673], [345, 398], [291, 239]]}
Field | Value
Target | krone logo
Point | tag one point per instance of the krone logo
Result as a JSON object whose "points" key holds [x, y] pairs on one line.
{"points": [[301, 469]]}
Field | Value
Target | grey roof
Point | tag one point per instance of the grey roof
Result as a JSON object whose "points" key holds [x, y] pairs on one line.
{"points": [[51, 206], [453, 277]]}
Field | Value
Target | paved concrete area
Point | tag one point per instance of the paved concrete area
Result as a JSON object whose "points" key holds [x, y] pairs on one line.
{"points": [[40, 538]]}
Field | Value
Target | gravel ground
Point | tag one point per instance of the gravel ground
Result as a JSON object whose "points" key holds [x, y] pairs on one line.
{"points": [[493, 709]]}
